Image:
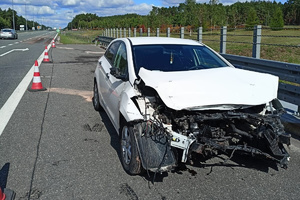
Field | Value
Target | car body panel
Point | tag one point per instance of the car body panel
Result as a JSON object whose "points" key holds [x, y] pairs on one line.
{"points": [[127, 108], [200, 89]]}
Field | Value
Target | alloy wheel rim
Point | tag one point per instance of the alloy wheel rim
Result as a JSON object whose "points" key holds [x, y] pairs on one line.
{"points": [[126, 145]]}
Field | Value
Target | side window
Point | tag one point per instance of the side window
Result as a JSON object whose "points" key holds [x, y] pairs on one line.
{"points": [[120, 60], [111, 52]]}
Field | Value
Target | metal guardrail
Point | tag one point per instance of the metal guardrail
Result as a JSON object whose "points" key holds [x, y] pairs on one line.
{"points": [[286, 72], [103, 40], [289, 74]]}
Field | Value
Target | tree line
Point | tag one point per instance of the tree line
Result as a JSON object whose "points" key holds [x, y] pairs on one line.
{"points": [[206, 15], [6, 20]]}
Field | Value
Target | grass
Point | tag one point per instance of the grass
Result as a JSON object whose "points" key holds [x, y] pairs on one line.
{"points": [[79, 37], [239, 42]]}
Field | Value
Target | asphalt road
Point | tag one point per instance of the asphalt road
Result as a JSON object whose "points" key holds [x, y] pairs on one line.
{"points": [[17, 57], [57, 147]]}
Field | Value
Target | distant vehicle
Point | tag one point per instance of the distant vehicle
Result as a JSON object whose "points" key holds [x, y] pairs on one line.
{"points": [[8, 33], [172, 99]]}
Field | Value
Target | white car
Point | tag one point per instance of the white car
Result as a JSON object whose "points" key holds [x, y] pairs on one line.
{"points": [[8, 33], [172, 99]]}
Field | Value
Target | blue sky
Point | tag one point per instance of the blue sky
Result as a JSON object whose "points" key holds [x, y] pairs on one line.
{"points": [[57, 13]]}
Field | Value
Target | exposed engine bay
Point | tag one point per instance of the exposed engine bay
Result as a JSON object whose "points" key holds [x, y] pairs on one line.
{"points": [[167, 136]]}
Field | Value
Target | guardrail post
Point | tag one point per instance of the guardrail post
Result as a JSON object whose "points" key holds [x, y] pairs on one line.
{"points": [[199, 36], [223, 39], [114, 33], [129, 32], [134, 32], [124, 32], [117, 30], [256, 41], [120, 32], [168, 32], [106, 32], [182, 32], [111, 32], [148, 32], [157, 32], [141, 32]]}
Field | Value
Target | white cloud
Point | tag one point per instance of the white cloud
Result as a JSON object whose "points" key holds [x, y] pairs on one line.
{"points": [[70, 2], [142, 9], [106, 3]]}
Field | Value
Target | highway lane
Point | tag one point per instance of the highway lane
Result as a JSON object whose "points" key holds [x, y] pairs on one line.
{"points": [[17, 57]]}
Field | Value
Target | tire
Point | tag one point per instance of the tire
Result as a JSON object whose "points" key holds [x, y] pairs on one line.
{"points": [[130, 158], [96, 102]]}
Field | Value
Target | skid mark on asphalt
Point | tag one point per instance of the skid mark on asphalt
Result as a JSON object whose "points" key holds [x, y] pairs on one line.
{"points": [[35, 194], [87, 95], [36, 40], [128, 191], [95, 128]]}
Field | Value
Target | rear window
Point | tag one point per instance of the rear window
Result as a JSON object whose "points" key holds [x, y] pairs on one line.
{"points": [[175, 58], [5, 30]]}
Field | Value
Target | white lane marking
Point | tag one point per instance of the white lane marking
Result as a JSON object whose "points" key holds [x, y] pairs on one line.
{"points": [[10, 44], [12, 102], [2, 47], [16, 42], [13, 50]]}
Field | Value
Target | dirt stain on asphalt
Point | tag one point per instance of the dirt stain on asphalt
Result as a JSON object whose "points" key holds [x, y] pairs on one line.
{"points": [[87, 95]]}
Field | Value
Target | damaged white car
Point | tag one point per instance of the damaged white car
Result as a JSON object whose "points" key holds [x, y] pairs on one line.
{"points": [[173, 99]]}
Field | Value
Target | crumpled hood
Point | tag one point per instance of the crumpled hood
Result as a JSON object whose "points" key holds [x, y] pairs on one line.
{"points": [[218, 88]]}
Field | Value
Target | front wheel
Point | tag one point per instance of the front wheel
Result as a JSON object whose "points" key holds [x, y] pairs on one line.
{"points": [[130, 158]]}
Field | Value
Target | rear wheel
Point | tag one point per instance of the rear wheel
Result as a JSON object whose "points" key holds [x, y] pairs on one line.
{"points": [[130, 158], [96, 102]]}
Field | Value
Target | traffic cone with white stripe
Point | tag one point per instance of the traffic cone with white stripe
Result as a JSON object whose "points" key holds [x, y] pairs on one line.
{"points": [[36, 82], [46, 57], [53, 44]]}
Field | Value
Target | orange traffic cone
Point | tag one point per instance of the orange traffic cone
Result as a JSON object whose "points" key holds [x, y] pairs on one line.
{"points": [[46, 57], [53, 44], [36, 82], [2, 195]]}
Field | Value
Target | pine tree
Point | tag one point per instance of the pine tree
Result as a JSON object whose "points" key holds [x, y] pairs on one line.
{"points": [[277, 20], [252, 19]]}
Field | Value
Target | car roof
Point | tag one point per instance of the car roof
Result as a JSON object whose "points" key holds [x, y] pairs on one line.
{"points": [[161, 40]]}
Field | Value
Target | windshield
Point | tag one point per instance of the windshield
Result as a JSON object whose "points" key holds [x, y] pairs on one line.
{"points": [[175, 58]]}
